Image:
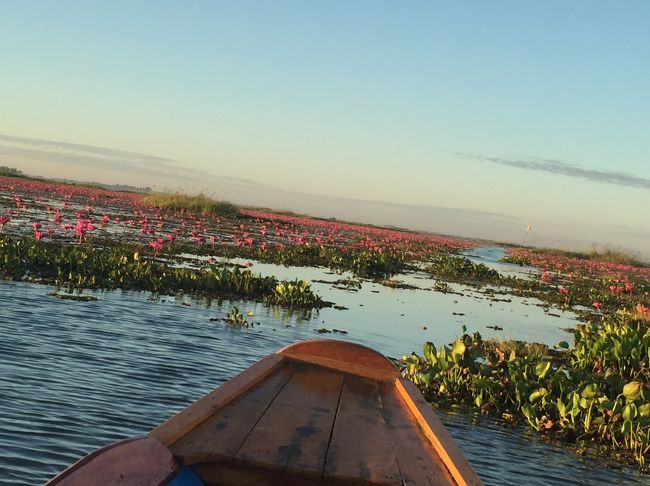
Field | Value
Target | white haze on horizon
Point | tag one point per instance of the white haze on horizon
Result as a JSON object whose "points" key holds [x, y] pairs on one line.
{"points": [[468, 223]]}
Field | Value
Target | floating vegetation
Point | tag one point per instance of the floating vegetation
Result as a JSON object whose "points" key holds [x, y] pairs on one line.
{"points": [[77, 267], [461, 269], [594, 392], [397, 284], [297, 293], [236, 318], [76, 297]]}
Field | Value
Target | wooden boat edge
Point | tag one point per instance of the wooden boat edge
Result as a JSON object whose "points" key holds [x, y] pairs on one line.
{"points": [[156, 463], [344, 356], [437, 434], [196, 413]]}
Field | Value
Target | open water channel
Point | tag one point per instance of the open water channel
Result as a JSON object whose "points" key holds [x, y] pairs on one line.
{"points": [[77, 375]]}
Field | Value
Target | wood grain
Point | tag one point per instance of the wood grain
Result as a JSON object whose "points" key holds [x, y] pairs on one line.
{"points": [[185, 420], [221, 436], [294, 432], [437, 434], [348, 357], [130, 462], [229, 475], [360, 448], [418, 461]]}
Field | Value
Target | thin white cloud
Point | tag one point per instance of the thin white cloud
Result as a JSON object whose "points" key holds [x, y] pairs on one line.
{"points": [[103, 157]]}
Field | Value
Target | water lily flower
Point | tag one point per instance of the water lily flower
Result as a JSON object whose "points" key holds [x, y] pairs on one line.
{"points": [[641, 310], [157, 245], [4, 219]]}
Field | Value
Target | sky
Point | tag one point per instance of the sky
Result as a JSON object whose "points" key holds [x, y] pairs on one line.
{"points": [[468, 118]]}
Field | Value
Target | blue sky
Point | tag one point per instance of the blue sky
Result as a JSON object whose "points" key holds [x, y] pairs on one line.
{"points": [[537, 112]]}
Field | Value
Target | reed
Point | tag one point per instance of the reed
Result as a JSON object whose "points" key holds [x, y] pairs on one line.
{"points": [[197, 204]]}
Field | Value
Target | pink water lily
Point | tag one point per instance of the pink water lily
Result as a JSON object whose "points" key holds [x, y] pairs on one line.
{"points": [[4, 219], [157, 245]]}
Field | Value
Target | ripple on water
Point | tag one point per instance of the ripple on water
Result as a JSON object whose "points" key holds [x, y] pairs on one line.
{"points": [[75, 376]]}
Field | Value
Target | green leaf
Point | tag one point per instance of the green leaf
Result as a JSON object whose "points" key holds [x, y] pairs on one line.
{"points": [[561, 408], [529, 411], [644, 410], [426, 379], [590, 391], [562, 345], [537, 394], [632, 390], [598, 421], [430, 353], [542, 369], [627, 427], [629, 411], [458, 348]]}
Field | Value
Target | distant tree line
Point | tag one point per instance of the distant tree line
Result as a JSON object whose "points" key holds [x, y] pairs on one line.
{"points": [[11, 171]]}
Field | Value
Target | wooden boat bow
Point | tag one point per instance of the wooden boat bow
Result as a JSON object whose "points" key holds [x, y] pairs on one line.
{"points": [[314, 413]]}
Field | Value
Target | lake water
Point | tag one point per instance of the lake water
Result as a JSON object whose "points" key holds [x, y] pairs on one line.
{"points": [[77, 375]]}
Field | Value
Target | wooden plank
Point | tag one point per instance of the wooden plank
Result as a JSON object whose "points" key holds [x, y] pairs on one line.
{"points": [[360, 448], [142, 460], [294, 432], [418, 461], [185, 420], [437, 434], [231, 475], [379, 374], [344, 356], [222, 435]]}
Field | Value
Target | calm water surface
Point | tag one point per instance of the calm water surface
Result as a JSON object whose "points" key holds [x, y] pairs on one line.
{"points": [[75, 376]]}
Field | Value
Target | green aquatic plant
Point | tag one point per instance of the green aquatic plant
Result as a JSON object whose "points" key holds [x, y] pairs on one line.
{"points": [[296, 293], [592, 392], [236, 318], [462, 269], [128, 266], [201, 203]]}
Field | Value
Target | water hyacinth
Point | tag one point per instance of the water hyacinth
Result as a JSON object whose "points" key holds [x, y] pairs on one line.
{"points": [[81, 267], [593, 392]]}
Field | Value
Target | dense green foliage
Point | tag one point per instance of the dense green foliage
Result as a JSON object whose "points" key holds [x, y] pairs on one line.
{"points": [[362, 262], [200, 204], [592, 392], [461, 269], [77, 267]]}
